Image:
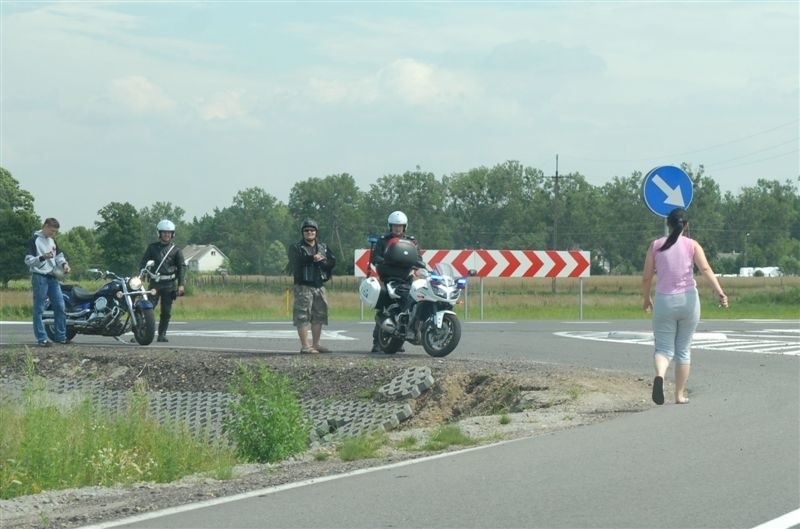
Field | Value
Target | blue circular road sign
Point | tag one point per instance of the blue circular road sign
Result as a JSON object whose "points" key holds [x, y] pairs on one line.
{"points": [[666, 188]]}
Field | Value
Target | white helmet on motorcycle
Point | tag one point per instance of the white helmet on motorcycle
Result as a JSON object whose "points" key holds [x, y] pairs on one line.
{"points": [[370, 291], [165, 225], [398, 218]]}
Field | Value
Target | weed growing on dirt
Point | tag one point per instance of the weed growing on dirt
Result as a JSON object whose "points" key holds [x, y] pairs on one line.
{"points": [[407, 443], [321, 455], [267, 423], [364, 446], [50, 445], [448, 435]]}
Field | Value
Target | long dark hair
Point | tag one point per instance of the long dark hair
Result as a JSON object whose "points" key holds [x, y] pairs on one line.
{"points": [[676, 220]]}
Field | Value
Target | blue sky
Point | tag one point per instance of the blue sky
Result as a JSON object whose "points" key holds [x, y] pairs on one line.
{"points": [[191, 102]]}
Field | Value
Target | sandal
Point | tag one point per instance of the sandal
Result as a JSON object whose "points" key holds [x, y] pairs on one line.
{"points": [[658, 390], [321, 349], [308, 350]]}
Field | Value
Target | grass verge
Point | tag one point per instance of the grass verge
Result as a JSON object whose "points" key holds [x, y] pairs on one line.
{"points": [[46, 444], [594, 298]]}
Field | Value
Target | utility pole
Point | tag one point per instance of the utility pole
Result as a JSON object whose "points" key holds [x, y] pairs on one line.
{"points": [[555, 218]]}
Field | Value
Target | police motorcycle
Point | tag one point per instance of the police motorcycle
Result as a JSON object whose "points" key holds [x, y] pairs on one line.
{"points": [[119, 306], [429, 321]]}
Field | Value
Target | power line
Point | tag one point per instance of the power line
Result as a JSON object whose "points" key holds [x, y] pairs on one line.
{"points": [[663, 156], [793, 140], [755, 161]]}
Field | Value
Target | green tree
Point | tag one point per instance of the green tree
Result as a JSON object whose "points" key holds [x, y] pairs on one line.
{"points": [[762, 219], [246, 229], [18, 221], [121, 236], [626, 226], [82, 250], [573, 214], [421, 197], [490, 205], [707, 214], [150, 217], [276, 259], [335, 203], [12, 196]]}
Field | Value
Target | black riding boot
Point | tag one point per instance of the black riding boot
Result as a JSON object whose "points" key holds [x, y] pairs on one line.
{"points": [[162, 330], [376, 348]]}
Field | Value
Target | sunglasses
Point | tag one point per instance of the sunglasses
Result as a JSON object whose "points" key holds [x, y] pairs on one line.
{"points": [[309, 229]]}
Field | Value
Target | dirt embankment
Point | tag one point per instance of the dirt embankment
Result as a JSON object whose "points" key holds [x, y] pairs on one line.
{"points": [[534, 398]]}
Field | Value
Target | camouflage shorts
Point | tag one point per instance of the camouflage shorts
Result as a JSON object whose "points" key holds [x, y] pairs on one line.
{"points": [[310, 306]]}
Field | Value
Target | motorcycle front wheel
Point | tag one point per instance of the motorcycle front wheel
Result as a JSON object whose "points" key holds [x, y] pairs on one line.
{"points": [[145, 330], [441, 342]]}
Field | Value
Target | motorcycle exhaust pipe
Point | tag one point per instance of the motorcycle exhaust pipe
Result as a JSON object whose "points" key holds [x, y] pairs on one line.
{"points": [[50, 315]]}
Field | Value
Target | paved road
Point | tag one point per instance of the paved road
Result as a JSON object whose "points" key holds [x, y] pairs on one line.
{"points": [[731, 458]]}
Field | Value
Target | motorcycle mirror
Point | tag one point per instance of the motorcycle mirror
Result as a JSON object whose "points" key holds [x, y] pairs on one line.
{"points": [[372, 239], [95, 272], [473, 272], [150, 264]]}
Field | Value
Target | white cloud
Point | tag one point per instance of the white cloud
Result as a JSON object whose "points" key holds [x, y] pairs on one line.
{"points": [[225, 106], [139, 94], [192, 89]]}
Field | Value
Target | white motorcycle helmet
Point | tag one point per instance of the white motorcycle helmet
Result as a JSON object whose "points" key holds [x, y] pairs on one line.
{"points": [[165, 225], [399, 218]]}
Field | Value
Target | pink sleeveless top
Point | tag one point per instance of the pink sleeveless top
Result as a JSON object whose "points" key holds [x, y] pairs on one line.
{"points": [[674, 266]]}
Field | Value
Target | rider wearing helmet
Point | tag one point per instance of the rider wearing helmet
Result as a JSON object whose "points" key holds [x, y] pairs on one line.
{"points": [[395, 255], [170, 269], [311, 263]]}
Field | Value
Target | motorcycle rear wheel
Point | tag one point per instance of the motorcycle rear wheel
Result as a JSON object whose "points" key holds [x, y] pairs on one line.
{"points": [[441, 342], [388, 343], [50, 329], [145, 331]]}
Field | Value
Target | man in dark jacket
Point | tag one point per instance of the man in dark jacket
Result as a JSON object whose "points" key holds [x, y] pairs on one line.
{"points": [[395, 255], [170, 269], [311, 263]]}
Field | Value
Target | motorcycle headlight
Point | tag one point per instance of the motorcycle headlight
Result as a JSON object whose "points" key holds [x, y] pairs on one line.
{"points": [[135, 283]]}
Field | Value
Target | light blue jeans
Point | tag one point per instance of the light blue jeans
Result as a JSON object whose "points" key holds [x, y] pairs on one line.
{"points": [[44, 287], [675, 318]]}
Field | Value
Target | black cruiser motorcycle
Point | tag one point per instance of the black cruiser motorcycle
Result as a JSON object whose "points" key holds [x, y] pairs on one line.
{"points": [[119, 306]]}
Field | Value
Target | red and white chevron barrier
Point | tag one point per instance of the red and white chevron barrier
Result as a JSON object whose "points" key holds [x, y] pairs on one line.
{"points": [[500, 263]]}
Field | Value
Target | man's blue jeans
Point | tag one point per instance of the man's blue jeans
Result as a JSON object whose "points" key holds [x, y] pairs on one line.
{"points": [[44, 287]]}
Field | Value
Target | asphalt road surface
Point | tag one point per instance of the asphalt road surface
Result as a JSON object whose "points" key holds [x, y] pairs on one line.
{"points": [[729, 459]]}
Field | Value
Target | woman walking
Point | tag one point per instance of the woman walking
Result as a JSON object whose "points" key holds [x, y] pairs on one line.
{"points": [[676, 312]]}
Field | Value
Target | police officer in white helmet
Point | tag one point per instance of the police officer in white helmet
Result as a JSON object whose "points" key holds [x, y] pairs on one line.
{"points": [[170, 273], [390, 269]]}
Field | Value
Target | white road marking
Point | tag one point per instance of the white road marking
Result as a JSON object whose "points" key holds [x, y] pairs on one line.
{"points": [[260, 334], [280, 488], [716, 341], [787, 521]]}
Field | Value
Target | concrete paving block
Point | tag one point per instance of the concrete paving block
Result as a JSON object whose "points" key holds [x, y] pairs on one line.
{"points": [[408, 385]]}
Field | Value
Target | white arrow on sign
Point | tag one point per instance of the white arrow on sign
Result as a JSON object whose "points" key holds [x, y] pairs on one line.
{"points": [[674, 196]]}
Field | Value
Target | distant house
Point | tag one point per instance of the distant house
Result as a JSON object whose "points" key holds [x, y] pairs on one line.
{"points": [[203, 257]]}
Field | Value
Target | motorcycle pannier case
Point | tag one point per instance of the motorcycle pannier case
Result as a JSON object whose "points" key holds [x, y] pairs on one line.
{"points": [[370, 291]]}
